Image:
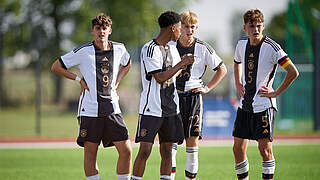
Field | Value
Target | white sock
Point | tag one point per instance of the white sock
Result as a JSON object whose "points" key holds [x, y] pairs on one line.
{"points": [[174, 163], [135, 178], [268, 168], [123, 176], [192, 162], [94, 177], [242, 170], [165, 177]]}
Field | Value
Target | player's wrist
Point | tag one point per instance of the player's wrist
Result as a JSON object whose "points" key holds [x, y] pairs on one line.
{"points": [[77, 78], [207, 89]]}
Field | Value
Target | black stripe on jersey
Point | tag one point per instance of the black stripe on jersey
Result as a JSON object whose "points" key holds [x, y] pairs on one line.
{"points": [[185, 74], [128, 62], [205, 68], [75, 50], [209, 48], [62, 63], [147, 101], [80, 105], [273, 72], [116, 43], [273, 44], [216, 68], [236, 62], [155, 71], [148, 76], [251, 69], [150, 49]]}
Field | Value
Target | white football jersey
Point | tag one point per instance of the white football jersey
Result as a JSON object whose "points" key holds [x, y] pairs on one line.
{"points": [[190, 77], [160, 100], [100, 70], [259, 65]]}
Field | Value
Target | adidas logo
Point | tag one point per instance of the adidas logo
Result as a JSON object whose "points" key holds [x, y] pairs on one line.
{"points": [[251, 55], [265, 131]]}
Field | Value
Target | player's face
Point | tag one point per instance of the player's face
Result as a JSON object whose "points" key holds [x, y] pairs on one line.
{"points": [[101, 33], [176, 31], [254, 29], [187, 31]]}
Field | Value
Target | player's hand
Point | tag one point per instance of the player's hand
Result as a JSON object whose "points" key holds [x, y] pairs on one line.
{"points": [[187, 59], [83, 85], [202, 90], [240, 90], [267, 92]]}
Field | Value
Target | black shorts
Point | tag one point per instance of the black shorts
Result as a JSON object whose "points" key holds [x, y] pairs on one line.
{"points": [[169, 129], [191, 112], [254, 126], [106, 129]]}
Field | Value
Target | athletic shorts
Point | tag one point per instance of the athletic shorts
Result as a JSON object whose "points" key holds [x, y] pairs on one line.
{"points": [[254, 126], [169, 129], [191, 112], [107, 129]]}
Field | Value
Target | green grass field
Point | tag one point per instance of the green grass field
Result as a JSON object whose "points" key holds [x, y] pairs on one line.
{"points": [[301, 162]]}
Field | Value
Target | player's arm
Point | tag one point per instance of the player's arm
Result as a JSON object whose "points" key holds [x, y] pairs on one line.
{"points": [[123, 71], [161, 77], [216, 78], [59, 69], [237, 79], [292, 74]]}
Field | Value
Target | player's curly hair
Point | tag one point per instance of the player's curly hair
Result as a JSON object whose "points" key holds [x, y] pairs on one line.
{"points": [[168, 18], [253, 15], [102, 20], [189, 18]]}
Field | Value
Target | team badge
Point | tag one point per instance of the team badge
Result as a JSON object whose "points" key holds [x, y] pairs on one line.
{"points": [[83, 132], [143, 132], [104, 69], [250, 64]]}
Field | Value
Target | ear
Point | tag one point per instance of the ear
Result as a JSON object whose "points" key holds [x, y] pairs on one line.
{"points": [[244, 28], [110, 31]]}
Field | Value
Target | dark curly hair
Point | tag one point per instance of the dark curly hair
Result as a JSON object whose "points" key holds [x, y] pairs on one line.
{"points": [[168, 18], [101, 20]]}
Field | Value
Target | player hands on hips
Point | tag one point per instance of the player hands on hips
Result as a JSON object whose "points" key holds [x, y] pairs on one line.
{"points": [[159, 103], [190, 87], [103, 64], [255, 63]]}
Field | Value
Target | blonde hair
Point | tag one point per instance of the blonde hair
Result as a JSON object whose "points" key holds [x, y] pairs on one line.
{"points": [[189, 18], [253, 15]]}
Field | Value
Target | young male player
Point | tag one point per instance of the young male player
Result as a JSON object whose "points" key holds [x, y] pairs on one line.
{"points": [[190, 87], [159, 108], [256, 59], [103, 64]]}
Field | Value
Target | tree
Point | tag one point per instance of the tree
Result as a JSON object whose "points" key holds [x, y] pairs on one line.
{"points": [[8, 11]]}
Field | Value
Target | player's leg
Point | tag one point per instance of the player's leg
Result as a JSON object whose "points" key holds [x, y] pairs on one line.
{"points": [[174, 162], [90, 160], [240, 156], [264, 134], [166, 160], [124, 160], [141, 159], [192, 163], [268, 164]]}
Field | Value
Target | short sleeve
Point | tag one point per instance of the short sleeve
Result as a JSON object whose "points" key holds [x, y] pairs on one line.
{"points": [[153, 61], [213, 60], [70, 59], [237, 57], [125, 59]]}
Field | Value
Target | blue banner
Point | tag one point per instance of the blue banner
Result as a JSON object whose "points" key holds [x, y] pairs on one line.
{"points": [[218, 118]]}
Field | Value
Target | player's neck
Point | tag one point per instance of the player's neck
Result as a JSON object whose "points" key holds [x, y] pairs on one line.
{"points": [[103, 45], [186, 42], [256, 41], [163, 38]]}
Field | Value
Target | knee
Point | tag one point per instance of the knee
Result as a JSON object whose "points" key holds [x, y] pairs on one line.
{"points": [[144, 154], [266, 152], [126, 153], [237, 149]]}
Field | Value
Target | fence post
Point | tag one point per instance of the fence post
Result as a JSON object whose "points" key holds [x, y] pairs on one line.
{"points": [[317, 82]]}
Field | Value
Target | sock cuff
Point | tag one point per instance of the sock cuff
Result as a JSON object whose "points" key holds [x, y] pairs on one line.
{"points": [[136, 178], [94, 177], [175, 146], [192, 149], [165, 177]]}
